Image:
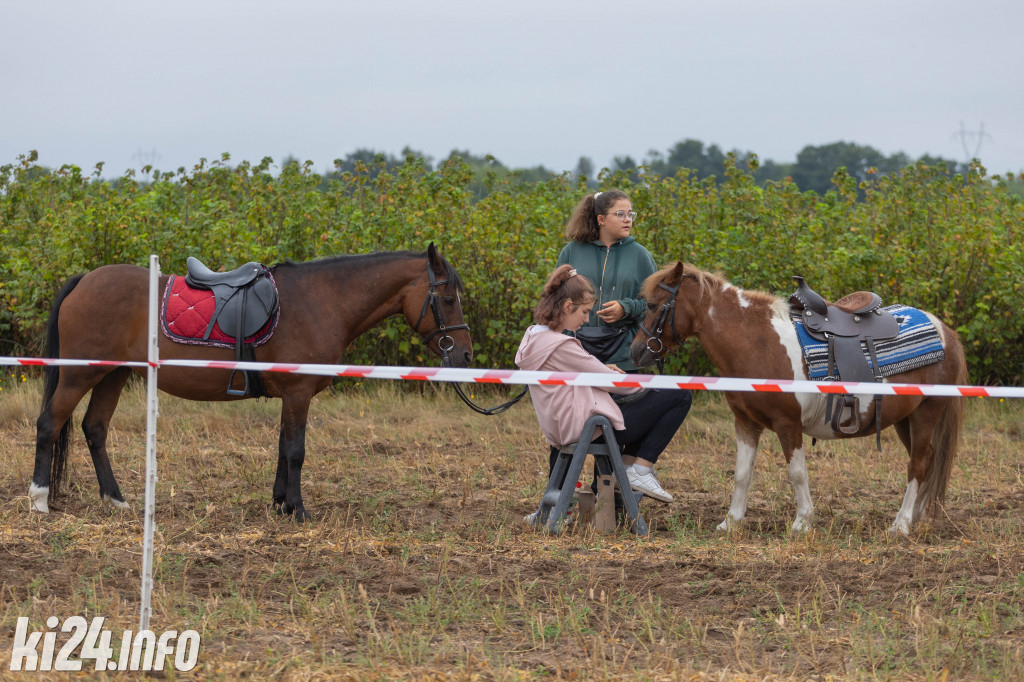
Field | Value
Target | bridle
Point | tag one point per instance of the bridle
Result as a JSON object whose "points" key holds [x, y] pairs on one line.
{"points": [[446, 344], [666, 314]]}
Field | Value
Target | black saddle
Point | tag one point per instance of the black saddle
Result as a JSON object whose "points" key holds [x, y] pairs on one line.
{"points": [[246, 299], [201, 277], [850, 327]]}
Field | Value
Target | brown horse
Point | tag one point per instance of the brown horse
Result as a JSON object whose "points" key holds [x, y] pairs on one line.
{"points": [[749, 334], [325, 305]]}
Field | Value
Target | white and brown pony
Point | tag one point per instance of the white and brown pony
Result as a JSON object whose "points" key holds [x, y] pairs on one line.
{"points": [[749, 334]]}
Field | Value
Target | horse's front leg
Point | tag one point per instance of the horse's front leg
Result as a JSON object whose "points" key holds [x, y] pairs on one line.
{"points": [[747, 436], [291, 455], [792, 440]]}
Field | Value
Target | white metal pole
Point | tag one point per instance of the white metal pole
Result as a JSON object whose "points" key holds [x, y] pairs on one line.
{"points": [[151, 414]]}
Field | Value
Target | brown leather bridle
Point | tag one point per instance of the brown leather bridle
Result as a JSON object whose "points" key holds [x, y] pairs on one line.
{"points": [[667, 314], [446, 343]]}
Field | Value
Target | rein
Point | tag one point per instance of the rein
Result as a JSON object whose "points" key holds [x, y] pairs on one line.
{"points": [[446, 344], [489, 411]]}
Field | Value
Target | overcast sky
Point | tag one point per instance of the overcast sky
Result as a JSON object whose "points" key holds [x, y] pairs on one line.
{"points": [[531, 82]]}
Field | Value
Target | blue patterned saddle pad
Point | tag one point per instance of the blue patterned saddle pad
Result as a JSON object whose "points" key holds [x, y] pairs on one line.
{"points": [[917, 345]]}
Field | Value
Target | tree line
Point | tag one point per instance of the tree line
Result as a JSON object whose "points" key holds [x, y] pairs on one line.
{"points": [[812, 170]]}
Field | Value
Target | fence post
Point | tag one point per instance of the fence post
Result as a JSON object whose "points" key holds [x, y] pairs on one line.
{"points": [[151, 414]]}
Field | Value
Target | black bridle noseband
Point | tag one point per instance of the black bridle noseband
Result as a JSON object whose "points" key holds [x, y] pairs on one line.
{"points": [[667, 314], [446, 344]]}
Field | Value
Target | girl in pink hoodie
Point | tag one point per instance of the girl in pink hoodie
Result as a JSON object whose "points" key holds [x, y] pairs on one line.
{"points": [[644, 426]]}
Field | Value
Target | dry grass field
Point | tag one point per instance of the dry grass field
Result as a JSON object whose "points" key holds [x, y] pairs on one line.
{"points": [[418, 566]]}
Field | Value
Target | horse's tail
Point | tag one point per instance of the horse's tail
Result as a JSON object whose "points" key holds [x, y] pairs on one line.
{"points": [[51, 377], [946, 436]]}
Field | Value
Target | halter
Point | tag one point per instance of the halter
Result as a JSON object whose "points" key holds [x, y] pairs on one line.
{"points": [[446, 343], [667, 313]]}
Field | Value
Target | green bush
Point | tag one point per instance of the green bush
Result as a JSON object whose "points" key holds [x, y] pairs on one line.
{"points": [[945, 243]]}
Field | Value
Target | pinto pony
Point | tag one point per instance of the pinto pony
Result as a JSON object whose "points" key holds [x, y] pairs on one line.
{"points": [[749, 334], [325, 304]]}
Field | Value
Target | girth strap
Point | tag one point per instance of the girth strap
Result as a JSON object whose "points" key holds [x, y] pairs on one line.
{"points": [[834, 419]]}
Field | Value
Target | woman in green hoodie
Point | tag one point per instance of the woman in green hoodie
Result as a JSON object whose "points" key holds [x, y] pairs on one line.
{"points": [[602, 248]]}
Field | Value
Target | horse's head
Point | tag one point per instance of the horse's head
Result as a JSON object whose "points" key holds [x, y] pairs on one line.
{"points": [[439, 318], [670, 295]]}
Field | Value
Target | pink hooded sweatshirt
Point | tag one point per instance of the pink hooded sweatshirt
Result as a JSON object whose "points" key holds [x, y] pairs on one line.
{"points": [[562, 410]]}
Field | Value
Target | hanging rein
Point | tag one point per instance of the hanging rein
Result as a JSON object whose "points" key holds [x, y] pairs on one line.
{"points": [[446, 344]]}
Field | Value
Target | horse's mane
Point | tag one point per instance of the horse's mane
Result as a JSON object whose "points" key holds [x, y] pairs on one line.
{"points": [[706, 283], [366, 259]]}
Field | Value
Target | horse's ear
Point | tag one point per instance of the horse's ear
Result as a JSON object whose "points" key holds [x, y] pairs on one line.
{"points": [[432, 254], [676, 275]]}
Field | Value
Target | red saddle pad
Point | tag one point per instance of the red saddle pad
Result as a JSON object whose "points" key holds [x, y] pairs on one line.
{"points": [[186, 313]]}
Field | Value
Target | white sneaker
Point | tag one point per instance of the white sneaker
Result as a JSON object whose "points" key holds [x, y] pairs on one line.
{"points": [[647, 484], [530, 518]]}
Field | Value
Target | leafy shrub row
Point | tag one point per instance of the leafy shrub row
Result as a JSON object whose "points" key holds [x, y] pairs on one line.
{"points": [[945, 243]]}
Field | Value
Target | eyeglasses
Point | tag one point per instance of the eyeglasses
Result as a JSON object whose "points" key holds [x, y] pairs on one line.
{"points": [[622, 215]]}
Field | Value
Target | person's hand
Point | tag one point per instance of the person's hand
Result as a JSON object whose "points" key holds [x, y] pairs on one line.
{"points": [[616, 368], [612, 311]]}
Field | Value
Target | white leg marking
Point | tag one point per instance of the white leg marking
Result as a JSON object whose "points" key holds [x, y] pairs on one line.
{"points": [[120, 504], [746, 454], [801, 489], [39, 498], [905, 517]]}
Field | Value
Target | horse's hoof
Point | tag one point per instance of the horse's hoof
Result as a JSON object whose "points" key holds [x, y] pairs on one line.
{"points": [[898, 529], [39, 499], [801, 526], [729, 525], [299, 514], [115, 502]]}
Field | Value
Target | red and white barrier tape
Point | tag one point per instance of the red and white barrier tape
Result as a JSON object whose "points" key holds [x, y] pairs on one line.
{"points": [[507, 376]]}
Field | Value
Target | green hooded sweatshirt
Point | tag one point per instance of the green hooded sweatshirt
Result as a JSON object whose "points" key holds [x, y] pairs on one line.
{"points": [[616, 271]]}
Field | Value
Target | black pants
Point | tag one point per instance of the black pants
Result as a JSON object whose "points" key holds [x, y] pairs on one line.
{"points": [[651, 421]]}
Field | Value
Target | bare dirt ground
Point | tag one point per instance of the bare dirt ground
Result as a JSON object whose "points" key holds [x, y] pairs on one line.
{"points": [[418, 566]]}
